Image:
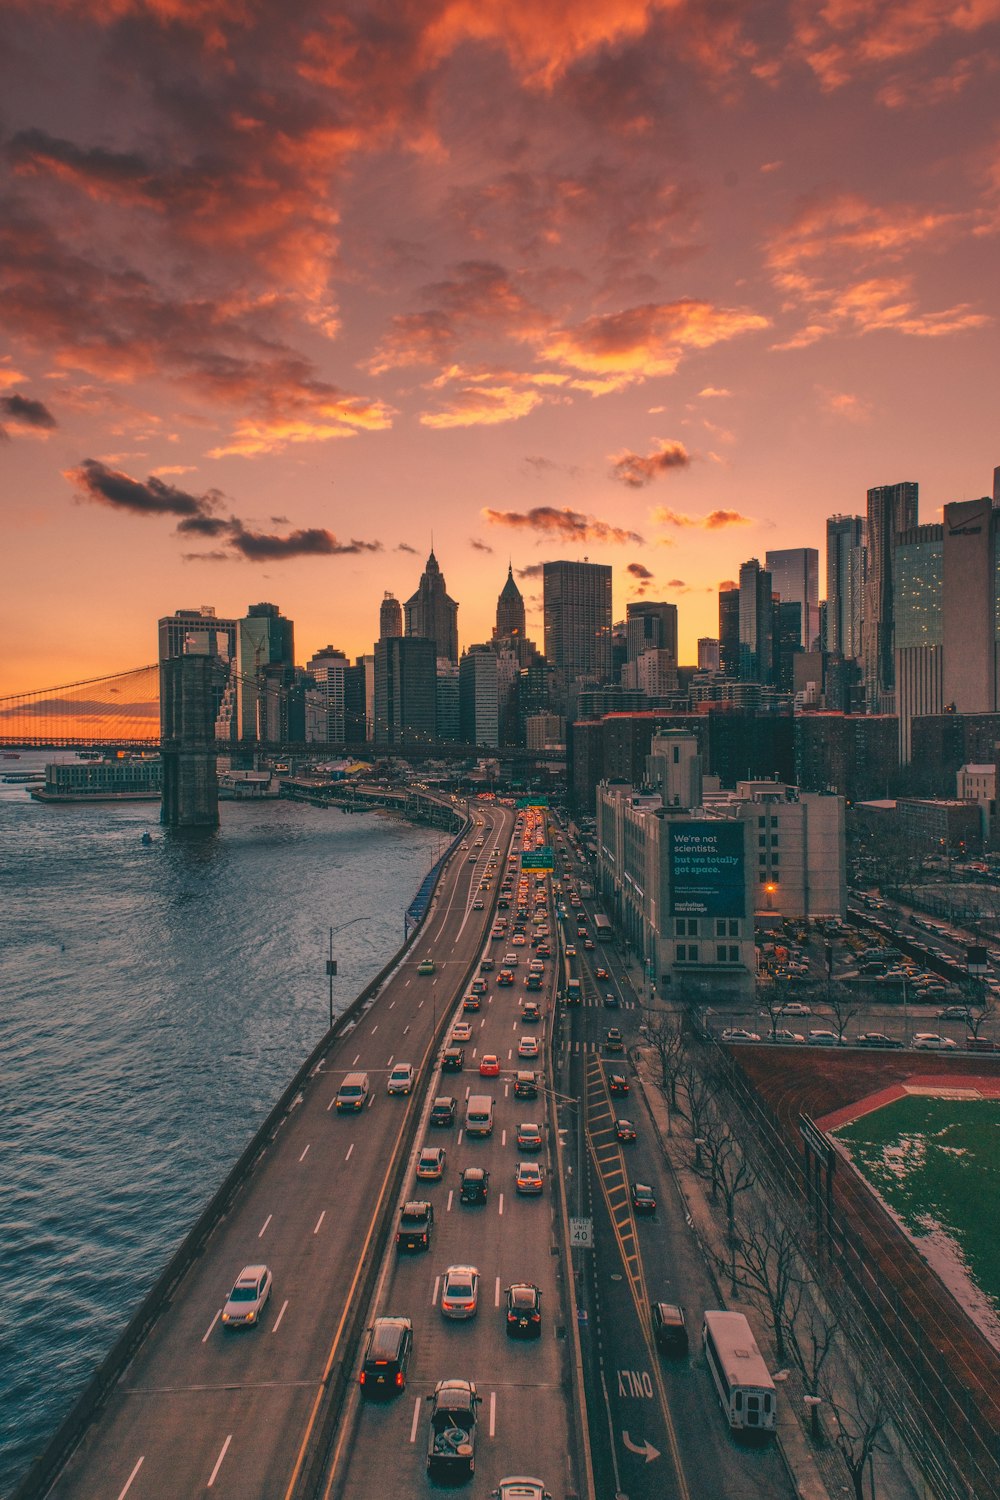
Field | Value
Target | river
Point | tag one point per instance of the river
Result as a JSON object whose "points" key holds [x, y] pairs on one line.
{"points": [[155, 998]]}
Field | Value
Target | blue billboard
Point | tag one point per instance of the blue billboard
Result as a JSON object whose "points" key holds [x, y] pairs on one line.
{"points": [[707, 870]]}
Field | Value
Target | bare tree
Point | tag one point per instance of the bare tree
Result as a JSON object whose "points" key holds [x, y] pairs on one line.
{"points": [[979, 1003], [700, 1089], [666, 1037], [810, 1331], [728, 1168], [860, 1416], [765, 1264], [771, 998], [845, 1004]]}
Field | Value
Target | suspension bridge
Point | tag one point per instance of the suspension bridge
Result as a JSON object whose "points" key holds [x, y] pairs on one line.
{"points": [[120, 712]]}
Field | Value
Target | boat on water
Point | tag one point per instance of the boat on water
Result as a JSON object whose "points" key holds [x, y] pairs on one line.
{"points": [[11, 755], [19, 778]]}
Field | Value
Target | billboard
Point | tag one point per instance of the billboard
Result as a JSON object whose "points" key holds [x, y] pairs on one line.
{"points": [[707, 870]]}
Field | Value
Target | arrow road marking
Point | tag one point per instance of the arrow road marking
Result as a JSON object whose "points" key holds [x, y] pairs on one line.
{"points": [[647, 1448]]}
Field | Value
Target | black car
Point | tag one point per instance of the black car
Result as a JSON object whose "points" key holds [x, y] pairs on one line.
{"points": [[387, 1354], [643, 1198], [625, 1130], [443, 1110], [618, 1083], [669, 1327], [525, 1084], [475, 1185], [876, 1039], [416, 1220], [451, 1441], [524, 1312], [611, 1001], [453, 1060]]}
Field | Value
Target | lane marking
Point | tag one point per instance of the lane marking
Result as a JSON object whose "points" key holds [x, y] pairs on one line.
{"points": [[451, 1194], [205, 1339], [416, 1419], [500, 1204], [349, 1150], [128, 1482], [391, 1056], [503, 1137], [434, 1294], [301, 1158], [278, 1319], [406, 1028], [355, 1062], [218, 1461], [391, 1004], [493, 1413], [460, 1129], [496, 1295], [260, 1232], [319, 1221], [331, 1104], [374, 1029]]}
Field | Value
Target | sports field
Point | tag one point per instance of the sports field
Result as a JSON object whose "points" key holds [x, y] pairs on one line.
{"points": [[935, 1162]]}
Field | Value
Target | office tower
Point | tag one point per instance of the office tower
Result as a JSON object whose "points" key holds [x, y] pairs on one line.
{"points": [[756, 623], [708, 653], [650, 627], [446, 697], [729, 631], [390, 617], [367, 664], [510, 610], [355, 702], [970, 599], [918, 627], [405, 693], [432, 614], [795, 579], [787, 641], [478, 696], [328, 669], [196, 632], [577, 608], [264, 639], [892, 508], [845, 578]]}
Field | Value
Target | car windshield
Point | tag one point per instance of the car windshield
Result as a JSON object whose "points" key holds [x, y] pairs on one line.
{"points": [[244, 1294]]}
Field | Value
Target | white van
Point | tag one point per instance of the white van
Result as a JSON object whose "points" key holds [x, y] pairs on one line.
{"points": [[479, 1115], [353, 1093]]}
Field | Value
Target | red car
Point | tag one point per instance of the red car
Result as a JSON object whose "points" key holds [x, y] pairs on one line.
{"points": [[489, 1065], [506, 976], [603, 974]]}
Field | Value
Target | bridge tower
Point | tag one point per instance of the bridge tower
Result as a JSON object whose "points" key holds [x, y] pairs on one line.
{"points": [[189, 692]]}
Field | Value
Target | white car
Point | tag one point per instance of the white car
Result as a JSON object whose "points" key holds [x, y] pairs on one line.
{"points": [[510, 960], [825, 1039], [783, 1035], [248, 1297], [527, 1047], [460, 1292], [930, 1041], [739, 1034], [400, 1079], [793, 1008], [461, 1032]]}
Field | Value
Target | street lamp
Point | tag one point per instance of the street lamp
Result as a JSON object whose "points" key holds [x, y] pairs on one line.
{"points": [[331, 962]]}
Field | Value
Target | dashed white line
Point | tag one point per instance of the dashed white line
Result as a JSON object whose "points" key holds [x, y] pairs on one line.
{"points": [[128, 1482], [218, 1461], [371, 1100], [500, 1204], [406, 1028], [280, 1316], [451, 1194], [356, 1060], [496, 1296], [416, 1419], [459, 1140], [319, 1221], [209, 1330], [493, 1413], [349, 1150], [503, 1137], [434, 1294], [302, 1158], [374, 1029], [260, 1232], [391, 1004], [391, 1056]]}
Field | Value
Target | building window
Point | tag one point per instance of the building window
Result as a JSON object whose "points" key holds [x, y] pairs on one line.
{"points": [[720, 926], [687, 953], [734, 927], [686, 926], [720, 953], [762, 840], [734, 953], [761, 822], [762, 859], [774, 839], [681, 952], [775, 858]]}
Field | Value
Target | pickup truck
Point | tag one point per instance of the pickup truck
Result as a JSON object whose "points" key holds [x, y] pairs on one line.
{"points": [[451, 1441]]}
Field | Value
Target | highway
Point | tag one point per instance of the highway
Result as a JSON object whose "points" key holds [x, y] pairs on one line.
{"points": [[522, 1426], [657, 1431], [202, 1408]]}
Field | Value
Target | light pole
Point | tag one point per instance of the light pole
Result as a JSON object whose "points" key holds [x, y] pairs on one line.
{"points": [[331, 963]]}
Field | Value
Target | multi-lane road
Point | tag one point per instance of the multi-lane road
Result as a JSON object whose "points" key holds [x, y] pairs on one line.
{"points": [[202, 1408]]}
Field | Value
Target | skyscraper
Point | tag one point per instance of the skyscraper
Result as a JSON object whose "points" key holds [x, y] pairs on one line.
{"points": [[197, 632], [265, 640], [708, 653], [918, 627], [892, 508], [795, 577], [970, 606], [577, 607], [432, 614], [845, 577], [510, 610], [729, 631], [478, 696], [328, 669], [756, 623], [390, 617], [405, 692], [650, 626]]}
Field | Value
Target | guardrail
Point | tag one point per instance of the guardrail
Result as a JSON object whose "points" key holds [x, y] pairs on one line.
{"points": [[73, 1426]]}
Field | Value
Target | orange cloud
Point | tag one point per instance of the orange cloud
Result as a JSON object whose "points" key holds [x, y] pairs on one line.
{"points": [[568, 525], [648, 340], [842, 37], [716, 520], [483, 406]]}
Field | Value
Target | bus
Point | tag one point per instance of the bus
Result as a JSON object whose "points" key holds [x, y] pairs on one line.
{"points": [[602, 926], [742, 1380]]}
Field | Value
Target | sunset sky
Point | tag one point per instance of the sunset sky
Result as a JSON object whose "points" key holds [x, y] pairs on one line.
{"points": [[288, 287]]}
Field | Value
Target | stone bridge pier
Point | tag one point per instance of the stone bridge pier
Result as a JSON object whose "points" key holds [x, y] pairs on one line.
{"points": [[189, 694]]}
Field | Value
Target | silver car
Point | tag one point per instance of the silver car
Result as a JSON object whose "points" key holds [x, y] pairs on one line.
{"points": [[460, 1292], [400, 1079], [248, 1297]]}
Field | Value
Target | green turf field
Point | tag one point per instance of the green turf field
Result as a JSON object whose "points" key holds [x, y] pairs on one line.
{"points": [[936, 1162]]}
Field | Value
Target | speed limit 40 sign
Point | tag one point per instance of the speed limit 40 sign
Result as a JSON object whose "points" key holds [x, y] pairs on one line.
{"points": [[581, 1233]]}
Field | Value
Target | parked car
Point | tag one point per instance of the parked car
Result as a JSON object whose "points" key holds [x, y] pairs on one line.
{"points": [[248, 1298], [823, 1038], [953, 1013], [451, 1441], [876, 1039], [785, 1037], [931, 1041], [793, 1008], [524, 1311], [739, 1034]]}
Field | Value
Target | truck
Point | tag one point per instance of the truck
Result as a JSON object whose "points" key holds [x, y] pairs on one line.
{"points": [[573, 992], [416, 1220], [451, 1440]]}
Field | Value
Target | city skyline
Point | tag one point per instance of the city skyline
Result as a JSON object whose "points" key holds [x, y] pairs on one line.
{"points": [[626, 285]]}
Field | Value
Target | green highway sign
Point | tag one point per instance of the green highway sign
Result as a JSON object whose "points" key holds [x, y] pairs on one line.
{"points": [[532, 801], [538, 859]]}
